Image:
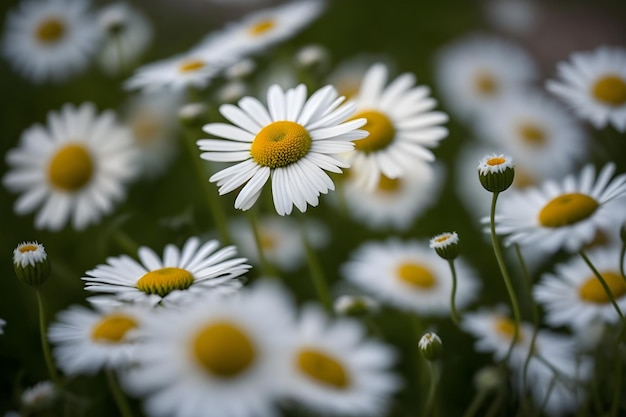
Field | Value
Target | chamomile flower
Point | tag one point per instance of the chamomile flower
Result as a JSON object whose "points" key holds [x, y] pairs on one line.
{"points": [[401, 126], [87, 341], [50, 40], [334, 369], [394, 203], [74, 169], [281, 240], [566, 215], [292, 141], [475, 72], [410, 276], [181, 275], [574, 296], [222, 358], [594, 85], [536, 132]]}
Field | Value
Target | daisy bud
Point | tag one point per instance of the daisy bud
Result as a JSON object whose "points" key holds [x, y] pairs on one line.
{"points": [[496, 172], [488, 378], [446, 245], [193, 114], [350, 305], [430, 346], [30, 262], [40, 396], [312, 56], [232, 91], [240, 69]]}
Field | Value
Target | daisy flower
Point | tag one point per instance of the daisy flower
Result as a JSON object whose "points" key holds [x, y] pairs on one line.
{"points": [[87, 341], [180, 275], [222, 358], [401, 126], [292, 141], [574, 296], [40, 396], [536, 132], [566, 215], [128, 35], [394, 203], [74, 169], [50, 40], [594, 85], [334, 369], [473, 73], [410, 276]]}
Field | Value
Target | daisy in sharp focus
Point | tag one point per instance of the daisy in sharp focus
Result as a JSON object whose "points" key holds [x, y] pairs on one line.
{"points": [[182, 274], [401, 126], [575, 297], [566, 215], [291, 143], [334, 369], [410, 276], [593, 84], [74, 168], [220, 358], [51, 39]]}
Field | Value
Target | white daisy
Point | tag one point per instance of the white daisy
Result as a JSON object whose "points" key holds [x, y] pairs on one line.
{"points": [[394, 203], [410, 276], [40, 396], [566, 215], [128, 35], [281, 240], [182, 274], [222, 358], [51, 39], [574, 296], [594, 85], [293, 143], [74, 168], [334, 369], [401, 126], [88, 341], [537, 132], [473, 73], [29, 253]]}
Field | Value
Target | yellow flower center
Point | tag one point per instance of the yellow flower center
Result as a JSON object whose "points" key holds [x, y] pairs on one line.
{"points": [[145, 129], [268, 241], [191, 65], [443, 238], [486, 84], [262, 27], [381, 131], [592, 290], [387, 184], [495, 161], [506, 327], [51, 30], [611, 90], [280, 144], [416, 275], [165, 280], [323, 368], [113, 328], [532, 134], [223, 349], [27, 248], [71, 168], [567, 209]]}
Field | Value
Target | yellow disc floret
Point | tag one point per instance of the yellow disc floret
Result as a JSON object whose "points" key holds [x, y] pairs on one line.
{"points": [[611, 90], [567, 209], [322, 368], [506, 327], [381, 131], [191, 65], [532, 134], [262, 27], [113, 328], [71, 168], [389, 185], [50, 30], [592, 290], [280, 144], [486, 84], [416, 275], [223, 349], [165, 280]]}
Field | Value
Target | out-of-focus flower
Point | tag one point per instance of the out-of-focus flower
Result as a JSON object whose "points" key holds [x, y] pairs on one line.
{"points": [[593, 84], [348, 75], [334, 369], [294, 140], [401, 126], [40, 396], [240, 69], [410, 276], [75, 168], [182, 274], [30, 262], [312, 56], [232, 91], [518, 17], [2, 324], [355, 305], [50, 40]]}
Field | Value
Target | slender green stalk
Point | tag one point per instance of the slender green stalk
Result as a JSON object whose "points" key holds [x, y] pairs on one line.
{"points": [[54, 376], [505, 274], [621, 260], [548, 393], [315, 269], [476, 403], [266, 267], [432, 389], [118, 395], [455, 316], [125, 242], [606, 287]]}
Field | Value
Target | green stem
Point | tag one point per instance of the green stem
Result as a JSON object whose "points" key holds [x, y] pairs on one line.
{"points": [[44, 340], [606, 287], [455, 316], [266, 267], [125, 242], [505, 274], [118, 395], [315, 269], [621, 260], [434, 379], [476, 403]]}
